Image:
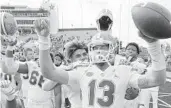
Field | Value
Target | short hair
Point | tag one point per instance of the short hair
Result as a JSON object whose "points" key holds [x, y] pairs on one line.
{"points": [[60, 55], [134, 44], [104, 22], [72, 46]]}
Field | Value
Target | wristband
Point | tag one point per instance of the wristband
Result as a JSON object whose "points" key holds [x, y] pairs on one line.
{"points": [[158, 59], [44, 43]]}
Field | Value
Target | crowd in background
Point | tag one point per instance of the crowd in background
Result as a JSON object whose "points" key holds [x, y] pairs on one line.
{"points": [[138, 54], [58, 46], [132, 54]]}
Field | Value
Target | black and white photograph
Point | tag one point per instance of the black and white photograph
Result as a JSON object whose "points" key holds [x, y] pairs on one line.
{"points": [[85, 54]]}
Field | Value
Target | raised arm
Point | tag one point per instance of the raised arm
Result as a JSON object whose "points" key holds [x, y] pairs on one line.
{"points": [[157, 74], [49, 85], [9, 65], [47, 67]]}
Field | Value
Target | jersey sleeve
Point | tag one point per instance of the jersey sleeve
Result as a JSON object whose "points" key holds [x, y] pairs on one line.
{"points": [[31, 65], [119, 60], [75, 77], [133, 79], [65, 91], [140, 67]]}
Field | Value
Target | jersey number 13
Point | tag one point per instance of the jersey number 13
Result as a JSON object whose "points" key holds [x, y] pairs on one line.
{"points": [[108, 89]]}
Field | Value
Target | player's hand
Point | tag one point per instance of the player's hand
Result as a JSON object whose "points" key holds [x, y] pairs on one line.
{"points": [[42, 27], [147, 39], [9, 40], [131, 93], [6, 87], [12, 42], [4, 83]]}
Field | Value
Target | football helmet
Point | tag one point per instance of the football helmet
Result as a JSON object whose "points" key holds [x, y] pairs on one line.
{"points": [[100, 48], [104, 20]]}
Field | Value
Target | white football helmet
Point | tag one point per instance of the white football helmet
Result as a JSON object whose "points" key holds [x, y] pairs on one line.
{"points": [[104, 20], [107, 46]]}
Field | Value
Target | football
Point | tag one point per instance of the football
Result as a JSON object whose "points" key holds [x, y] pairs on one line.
{"points": [[152, 19], [8, 24]]}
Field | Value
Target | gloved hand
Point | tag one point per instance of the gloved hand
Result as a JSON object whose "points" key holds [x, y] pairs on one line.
{"points": [[131, 93]]}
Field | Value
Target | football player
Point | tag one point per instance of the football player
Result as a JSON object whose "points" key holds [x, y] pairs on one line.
{"points": [[104, 26], [75, 52], [101, 85], [10, 86], [8, 28], [37, 98]]}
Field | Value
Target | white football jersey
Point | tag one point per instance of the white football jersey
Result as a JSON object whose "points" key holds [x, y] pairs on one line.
{"points": [[73, 95], [102, 88], [119, 59], [153, 89], [139, 67], [25, 87], [35, 91]]}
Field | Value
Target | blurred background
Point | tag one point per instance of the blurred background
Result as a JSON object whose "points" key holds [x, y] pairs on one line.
{"points": [[82, 14], [76, 20]]}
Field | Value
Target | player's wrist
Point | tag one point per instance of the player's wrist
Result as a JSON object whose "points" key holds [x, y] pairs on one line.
{"points": [[44, 42], [11, 97], [158, 59], [44, 39]]}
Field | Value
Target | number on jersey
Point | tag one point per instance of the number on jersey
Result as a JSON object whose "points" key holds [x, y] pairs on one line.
{"points": [[5, 76], [25, 76], [108, 89], [36, 78]]}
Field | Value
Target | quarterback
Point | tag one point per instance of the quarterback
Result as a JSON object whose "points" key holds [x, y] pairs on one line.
{"points": [[101, 85]]}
